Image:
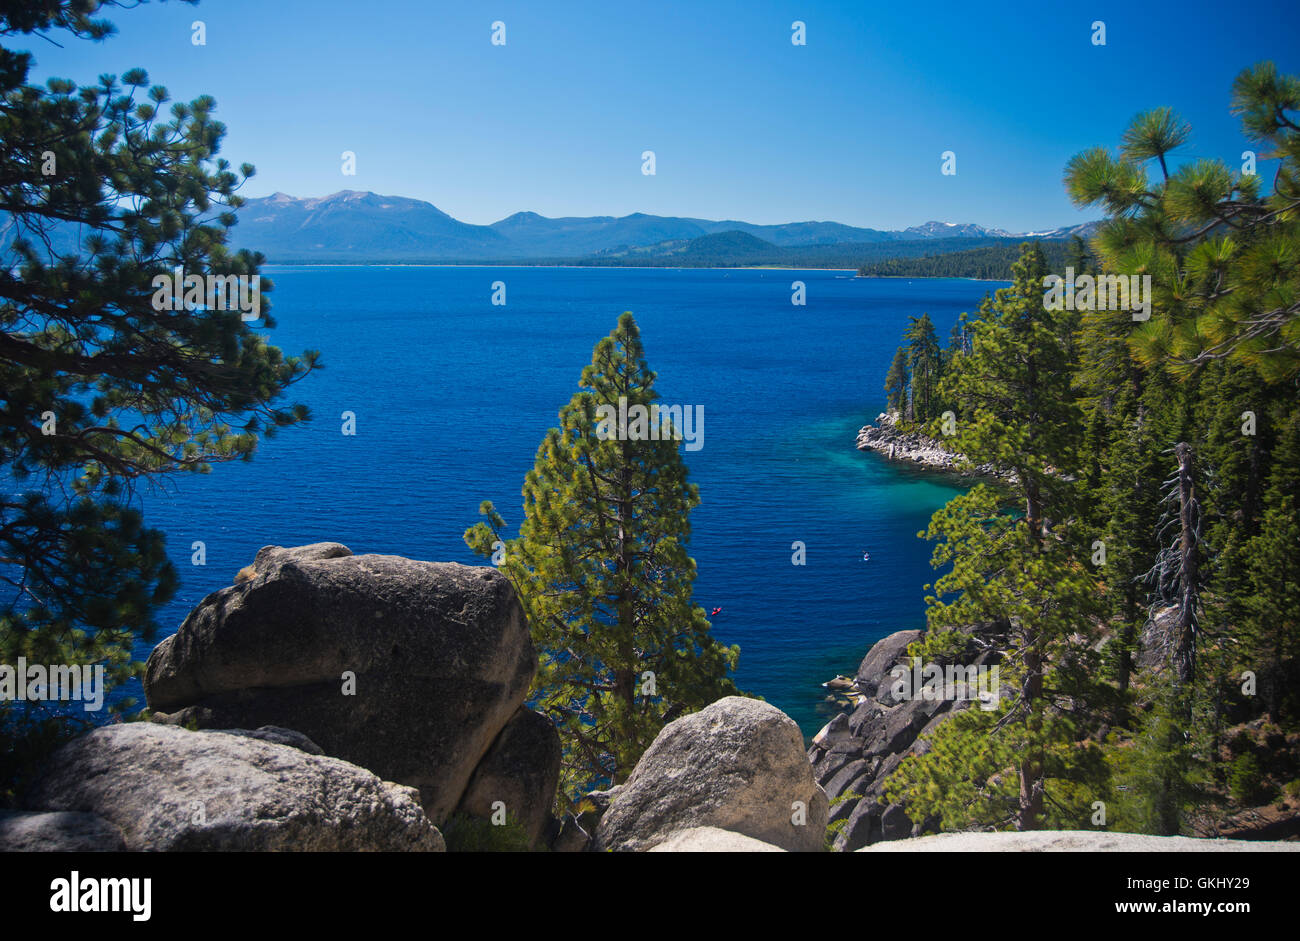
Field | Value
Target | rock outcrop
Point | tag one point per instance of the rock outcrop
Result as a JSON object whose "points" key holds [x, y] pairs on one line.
{"points": [[409, 669], [854, 754], [1154, 640], [912, 447], [736, 765], [278, 736], [712, 840], [881, 658], [166, 788], [57, 832], [521, 771], [1075, 841]]}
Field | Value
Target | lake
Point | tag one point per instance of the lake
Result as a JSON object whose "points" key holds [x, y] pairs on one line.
{"points": [[452, 396]]}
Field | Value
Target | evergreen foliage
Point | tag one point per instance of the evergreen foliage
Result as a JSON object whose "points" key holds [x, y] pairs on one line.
{"points": [[1156, 477], [106, 187], [601, 568]]}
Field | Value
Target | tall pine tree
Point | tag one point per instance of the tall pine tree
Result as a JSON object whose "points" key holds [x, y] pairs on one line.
{"points": [[601, 568], [924, 363], [103, 189], [1016, 412], [896, 382]]}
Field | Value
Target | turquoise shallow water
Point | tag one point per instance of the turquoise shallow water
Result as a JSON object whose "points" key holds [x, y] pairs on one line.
{"points": [[452, 396]]}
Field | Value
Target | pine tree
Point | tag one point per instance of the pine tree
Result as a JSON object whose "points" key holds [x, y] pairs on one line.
{"points": [[957, 341], [1016, 411], [1223, 253], [1271, 627], [601, 568], [1239, 417], [1223, 260], [105, 190], [1078, 256], [1155, 775], [1129, 499], [924, 363], [1015, 405], [896, 381]]}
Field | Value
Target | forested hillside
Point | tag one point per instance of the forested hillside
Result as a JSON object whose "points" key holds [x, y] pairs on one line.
{"points": [[988, 262], [1146, 561]]}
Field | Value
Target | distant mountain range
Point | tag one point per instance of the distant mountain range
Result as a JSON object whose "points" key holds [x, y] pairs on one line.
{"points": [[355, 226], [360, 227]]}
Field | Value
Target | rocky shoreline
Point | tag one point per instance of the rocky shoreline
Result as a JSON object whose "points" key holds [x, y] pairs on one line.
{"points": [[334, 702], [855, 753], [912, 447]]}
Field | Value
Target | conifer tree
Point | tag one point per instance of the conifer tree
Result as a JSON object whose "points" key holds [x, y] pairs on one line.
{"points": [[1239, 416], [1271, 628], [1221, 254], [1078, 256], [1016, 409], [1128, 496], [1186, 473], [103, 190], [956, 341], [1016, 412], [896, 381], [601, 568], [924, 363], [1224, 255]]}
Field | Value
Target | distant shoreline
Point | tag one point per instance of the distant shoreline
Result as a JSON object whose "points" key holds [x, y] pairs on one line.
{"points": [[904, 277], [398, 264], [404, 264]]}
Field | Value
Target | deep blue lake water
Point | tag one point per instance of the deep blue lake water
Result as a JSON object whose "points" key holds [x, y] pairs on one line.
{"points": [[452, 396]]}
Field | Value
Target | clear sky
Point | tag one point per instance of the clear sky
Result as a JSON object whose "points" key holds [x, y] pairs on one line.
{"points": [[744, 124]]}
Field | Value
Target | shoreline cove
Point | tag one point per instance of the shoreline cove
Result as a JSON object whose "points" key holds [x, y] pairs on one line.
{"points": [[886, 438]]}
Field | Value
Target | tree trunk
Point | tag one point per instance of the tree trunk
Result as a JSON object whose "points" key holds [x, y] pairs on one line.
{"points": [[1033, 512], [1185, 645], [1030, 808], [1184, 654], [1030, 811], [1126, 632], [625, 671]]}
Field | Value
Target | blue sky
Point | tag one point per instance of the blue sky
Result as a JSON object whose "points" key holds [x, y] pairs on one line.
{"points": [[744, 124]]}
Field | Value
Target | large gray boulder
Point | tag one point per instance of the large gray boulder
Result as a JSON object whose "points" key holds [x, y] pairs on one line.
{"points": [[855, 753], [521, 771], [437, 658], [737, 765], [712, 840], [57, 832], [166, 788], [881, 658]]}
